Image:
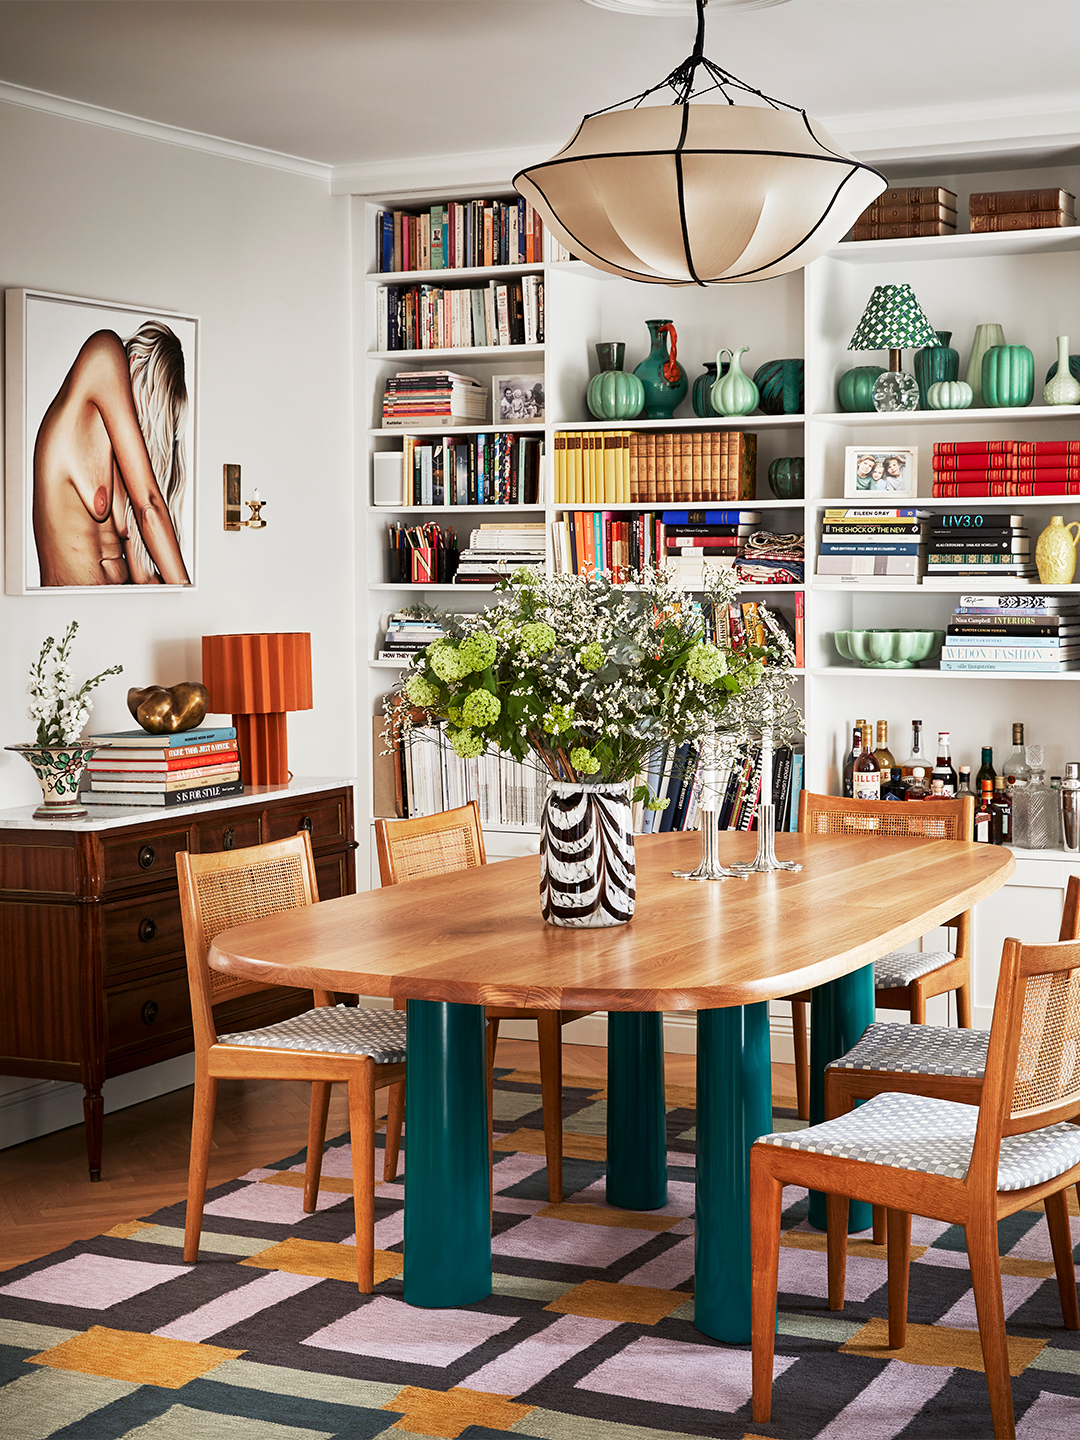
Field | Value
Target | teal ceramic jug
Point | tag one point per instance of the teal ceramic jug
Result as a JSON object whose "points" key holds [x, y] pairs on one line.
{"points": [[780, 387], [936, 362], [734, 393], [856, 388], [1008, 376], [661, 374], [613, 394]]}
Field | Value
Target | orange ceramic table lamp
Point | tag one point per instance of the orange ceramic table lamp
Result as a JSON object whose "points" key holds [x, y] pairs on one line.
{"points": [[256, 679]]}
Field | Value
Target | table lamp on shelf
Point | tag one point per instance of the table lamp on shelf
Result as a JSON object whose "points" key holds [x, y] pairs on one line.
{"points": [[257, 679], [894, 321]]}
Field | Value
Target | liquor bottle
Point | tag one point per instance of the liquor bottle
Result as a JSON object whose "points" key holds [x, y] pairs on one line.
{"points": [[1070, 807], [1001, 813], [916, 757], [986, 770], [882, 752], [963, 785], [983, 816], [943, 770], [937, 788], [852, 756], [1015, 769], [894, 790], [866, 773], [917, 787]]}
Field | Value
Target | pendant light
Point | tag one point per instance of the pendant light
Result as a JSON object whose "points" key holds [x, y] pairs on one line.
{"points": [[683, 193]]}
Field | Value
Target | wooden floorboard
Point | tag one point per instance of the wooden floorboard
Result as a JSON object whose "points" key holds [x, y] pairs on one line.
{"points": [[47, 1200]]}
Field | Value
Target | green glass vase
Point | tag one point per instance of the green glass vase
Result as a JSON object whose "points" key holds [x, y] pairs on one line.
{"points": [[701, 395], [660, 373], [780, 387], [856, 388], [1008, 376], [613, 394], [934, 363], [786, 477]]}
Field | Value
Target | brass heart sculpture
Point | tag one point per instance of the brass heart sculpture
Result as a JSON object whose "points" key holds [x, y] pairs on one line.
{"points": [[163, 712]]}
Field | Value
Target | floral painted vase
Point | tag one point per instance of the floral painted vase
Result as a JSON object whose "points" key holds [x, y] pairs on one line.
{"points": [[936, 362], [1055, 552], [587, 872], [613, 394], [661, 374], [59, 769], [734, 393], [1062, 386]]}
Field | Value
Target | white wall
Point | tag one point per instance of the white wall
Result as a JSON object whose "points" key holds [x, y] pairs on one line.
{"points": [[263, 258]]}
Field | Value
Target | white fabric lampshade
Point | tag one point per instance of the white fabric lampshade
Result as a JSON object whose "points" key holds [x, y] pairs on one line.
{"points": [[763, 192]]}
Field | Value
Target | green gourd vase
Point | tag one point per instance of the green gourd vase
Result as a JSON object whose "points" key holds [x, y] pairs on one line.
{"points": [[660, 373], [856, 388], [1008, 376], [934, 363], [780, 387], [734, 393], [613, 394], [949, 395], [701, 396], [786, 477]]}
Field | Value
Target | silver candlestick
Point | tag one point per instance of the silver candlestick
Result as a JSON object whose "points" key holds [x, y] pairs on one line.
{"points": [[709, 867], [765, 860]]}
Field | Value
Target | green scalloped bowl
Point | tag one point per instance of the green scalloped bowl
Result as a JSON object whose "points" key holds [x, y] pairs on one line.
{"points": [[888, 649]]}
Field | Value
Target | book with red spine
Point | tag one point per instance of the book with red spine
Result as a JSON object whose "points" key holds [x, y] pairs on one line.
{"points": [[948, 489], [974, 447]]}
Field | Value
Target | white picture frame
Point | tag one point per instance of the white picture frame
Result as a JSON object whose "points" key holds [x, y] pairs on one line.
{"points": [[881, 470], [517, 399], [144, 361]]}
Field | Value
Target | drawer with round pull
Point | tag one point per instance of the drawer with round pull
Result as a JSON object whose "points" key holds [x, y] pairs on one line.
{"points": [[136, 933], [145, 858], [229, 832], [323, 818], [147, 1011]]}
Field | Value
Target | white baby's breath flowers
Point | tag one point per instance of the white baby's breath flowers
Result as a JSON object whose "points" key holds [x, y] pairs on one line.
{"points": [[59, 710]]}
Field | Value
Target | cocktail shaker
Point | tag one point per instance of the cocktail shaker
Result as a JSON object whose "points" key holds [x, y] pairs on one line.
{"points": [[1070, 806]]}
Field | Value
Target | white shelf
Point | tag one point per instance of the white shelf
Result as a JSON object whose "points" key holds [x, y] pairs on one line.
{"points": [[957, 247], [690, 422], [461, 352], [830, 672], [427, 589], [561, 505], [943, 502], [425, 277], [509, 427], [455, 509], [997, 415]]}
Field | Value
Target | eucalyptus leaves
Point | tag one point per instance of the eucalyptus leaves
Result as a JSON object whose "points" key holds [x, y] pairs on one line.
{"points": [[60, 710]]}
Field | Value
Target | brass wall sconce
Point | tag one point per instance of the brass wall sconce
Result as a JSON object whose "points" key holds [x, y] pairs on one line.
{"points": [[233, 503]]}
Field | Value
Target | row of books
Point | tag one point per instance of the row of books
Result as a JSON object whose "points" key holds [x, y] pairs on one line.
{"points": [[1039, 636], [908, 210], [429, 777], [502, 468], [459, 235], [459, 317], [433, 397], [625, 467], [676, 778], [134, 768], [495, 550], [975, 468], [615, 542]]}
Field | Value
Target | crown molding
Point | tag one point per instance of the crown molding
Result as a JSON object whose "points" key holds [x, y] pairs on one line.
{"points": [[479, 172], [167, 134]]}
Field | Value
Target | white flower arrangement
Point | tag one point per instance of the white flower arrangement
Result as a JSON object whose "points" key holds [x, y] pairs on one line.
{"points": [[60, 710]]}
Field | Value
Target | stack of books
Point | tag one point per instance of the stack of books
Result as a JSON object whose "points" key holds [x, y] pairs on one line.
{"points": [[442, 317], [628, 467], [497, 549], [869, 545], [1021, 210], [405, 635], [718, 536], [972, 468], [1030, 634], [967, 545], [906, 211], [460, 235], [133, 767], [433, 397]]}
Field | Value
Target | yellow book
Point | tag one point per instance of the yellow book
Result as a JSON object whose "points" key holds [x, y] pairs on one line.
{"points": [[609, 494], [559, 468]]}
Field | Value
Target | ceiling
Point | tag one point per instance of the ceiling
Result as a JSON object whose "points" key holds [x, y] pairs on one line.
{"points": [[352, 82]]}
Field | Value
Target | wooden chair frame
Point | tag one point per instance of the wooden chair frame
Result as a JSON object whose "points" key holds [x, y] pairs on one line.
{"points": [[549, 1023], [974, 1202], [959, 816], [215, 1061]]}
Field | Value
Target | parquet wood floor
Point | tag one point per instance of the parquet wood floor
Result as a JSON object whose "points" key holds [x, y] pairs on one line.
{"points": [[47, 1200]]}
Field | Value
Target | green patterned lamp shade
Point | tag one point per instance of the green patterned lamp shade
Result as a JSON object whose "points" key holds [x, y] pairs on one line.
{"points": [[893, 320]]}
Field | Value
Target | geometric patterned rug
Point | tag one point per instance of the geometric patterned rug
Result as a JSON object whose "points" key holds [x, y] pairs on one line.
{"points": [[587, 1336]]}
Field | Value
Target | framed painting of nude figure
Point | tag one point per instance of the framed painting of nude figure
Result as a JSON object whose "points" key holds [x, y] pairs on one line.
{"points": [[101, 403]]}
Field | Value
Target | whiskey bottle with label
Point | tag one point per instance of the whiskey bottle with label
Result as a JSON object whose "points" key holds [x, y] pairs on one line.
{"points": [[943, 770], [866, 772], [916, 757], [1016, 769]]}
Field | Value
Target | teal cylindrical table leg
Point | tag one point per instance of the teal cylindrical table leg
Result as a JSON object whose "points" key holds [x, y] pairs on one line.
{"points": [[734, 1107], [447, 1186], [636, 1117], [839, 1013]]}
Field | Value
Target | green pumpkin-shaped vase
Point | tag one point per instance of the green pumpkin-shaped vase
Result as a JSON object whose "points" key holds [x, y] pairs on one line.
{"points": [[1008, 376], [936, 362], [701, 396], [786, 477], [949, 395], [856, 388], [613, 394], [734, 393], [661, 374], [780, 387]]}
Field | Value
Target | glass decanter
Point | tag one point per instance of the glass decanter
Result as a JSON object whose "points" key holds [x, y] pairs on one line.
{"points": [[1036, 811]]}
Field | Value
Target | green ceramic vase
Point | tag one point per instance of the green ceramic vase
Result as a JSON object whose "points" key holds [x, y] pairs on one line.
{"points": [[786, 477], [1062, 382], [986, 335], [780, 387], [856, 388], [734, 393], [660, 373], [701, 396], [1008, 376], [613, 394], [949, 395], [936, 362]]}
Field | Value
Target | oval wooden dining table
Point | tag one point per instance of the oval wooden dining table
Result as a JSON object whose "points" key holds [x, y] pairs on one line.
{"points": [[451, 944]]}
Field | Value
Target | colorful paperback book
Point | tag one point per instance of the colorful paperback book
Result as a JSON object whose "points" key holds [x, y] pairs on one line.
{"points": [[867, 512], [142, 739], [711, 517], [179, 757]]}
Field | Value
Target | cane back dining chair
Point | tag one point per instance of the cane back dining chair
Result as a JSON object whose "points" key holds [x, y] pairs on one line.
{"points": [[364, 1048], [951, 1162], [902, 980], [453, 840]]}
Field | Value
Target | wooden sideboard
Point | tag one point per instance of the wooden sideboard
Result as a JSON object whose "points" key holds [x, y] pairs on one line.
{"points": [[93, 981]]}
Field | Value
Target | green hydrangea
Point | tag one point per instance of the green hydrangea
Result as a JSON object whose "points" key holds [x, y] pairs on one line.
{"points": [[592, 657], [421, 692], [453, 714], [537, 638], [446, 660], [557, 719], [478, 651], [467, 744], [705, 664], [584, 761], [480, 707]]}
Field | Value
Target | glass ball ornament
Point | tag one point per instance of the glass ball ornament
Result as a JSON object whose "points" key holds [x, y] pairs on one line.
{"points": [[893, 390]]}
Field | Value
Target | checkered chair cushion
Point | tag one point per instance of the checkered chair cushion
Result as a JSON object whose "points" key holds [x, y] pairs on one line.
{"points": [[901, 967], [918, 1050], [334, 1030], [934, 1137]]}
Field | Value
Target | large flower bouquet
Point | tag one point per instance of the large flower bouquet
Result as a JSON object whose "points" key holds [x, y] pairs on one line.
{"points": [[589, 676]]}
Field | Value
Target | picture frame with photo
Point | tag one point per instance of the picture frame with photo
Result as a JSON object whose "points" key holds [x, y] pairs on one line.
{"points": [[878, 470], [100, 444], [517, 399]]}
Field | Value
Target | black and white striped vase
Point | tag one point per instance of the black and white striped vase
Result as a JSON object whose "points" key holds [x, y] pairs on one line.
{"points": [[587, 874]]}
